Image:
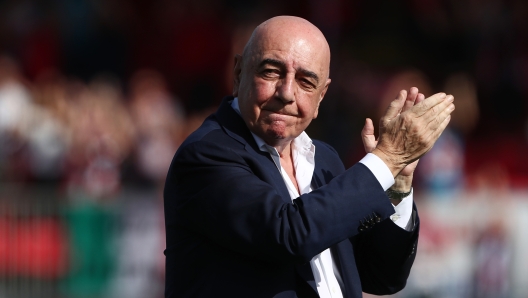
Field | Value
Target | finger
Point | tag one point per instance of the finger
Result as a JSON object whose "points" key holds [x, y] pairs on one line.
{"points": [[415, 163], [429, 103], [368, 128], [411, 98], [438, 120], [395, 107], [410, 168], [367, 135], [433, 114], [439, 112], [441, 128], [419, 98]]}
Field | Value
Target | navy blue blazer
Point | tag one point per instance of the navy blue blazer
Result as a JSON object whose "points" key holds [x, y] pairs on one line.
{"points": [[233, 230]]}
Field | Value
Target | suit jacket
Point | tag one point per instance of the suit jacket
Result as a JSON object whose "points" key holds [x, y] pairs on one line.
{"points": [[233, 230]]}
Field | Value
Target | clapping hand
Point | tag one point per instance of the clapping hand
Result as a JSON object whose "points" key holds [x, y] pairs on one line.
{"points": [[409, 129], [367, 134]]}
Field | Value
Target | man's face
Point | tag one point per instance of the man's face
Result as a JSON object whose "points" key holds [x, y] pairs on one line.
{"points": [[280, 83]]}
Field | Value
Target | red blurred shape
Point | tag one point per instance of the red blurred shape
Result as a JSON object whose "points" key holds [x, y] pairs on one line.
{"points": [[32, 247]]}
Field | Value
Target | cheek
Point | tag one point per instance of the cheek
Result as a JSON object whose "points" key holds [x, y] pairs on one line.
{"points": [[308, 108], [263, 91], [254, 96]]}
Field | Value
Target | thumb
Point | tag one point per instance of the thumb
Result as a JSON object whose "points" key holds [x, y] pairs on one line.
{"points": [[368, 128], [395, 107], [367, 135]]}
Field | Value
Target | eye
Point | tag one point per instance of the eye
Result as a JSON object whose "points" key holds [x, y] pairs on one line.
{"points": [[270, 73], [306, 83]]}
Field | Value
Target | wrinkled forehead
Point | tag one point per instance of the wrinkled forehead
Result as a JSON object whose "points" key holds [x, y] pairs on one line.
{"points": [[300, 44]]}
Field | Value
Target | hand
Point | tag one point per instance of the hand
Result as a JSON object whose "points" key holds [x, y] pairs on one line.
{"points": [[409, 129], [369, 139]]}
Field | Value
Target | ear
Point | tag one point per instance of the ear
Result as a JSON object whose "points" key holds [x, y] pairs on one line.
{"points": [[323, 92], [236, 74]]}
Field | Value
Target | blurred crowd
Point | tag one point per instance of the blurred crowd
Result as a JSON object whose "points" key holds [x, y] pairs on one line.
{"points": [[85, 136], [84, 142], [97, 95]]}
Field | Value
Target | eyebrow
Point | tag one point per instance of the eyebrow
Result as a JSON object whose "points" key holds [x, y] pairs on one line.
{"points": [[281, 64]]}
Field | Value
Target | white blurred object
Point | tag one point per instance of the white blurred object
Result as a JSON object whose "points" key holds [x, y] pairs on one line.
{"points": [[140, 247], [16, 106], [33, 125], [47, 144]]}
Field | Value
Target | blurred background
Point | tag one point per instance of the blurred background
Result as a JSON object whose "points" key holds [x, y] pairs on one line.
{"points": [[97, 95]]}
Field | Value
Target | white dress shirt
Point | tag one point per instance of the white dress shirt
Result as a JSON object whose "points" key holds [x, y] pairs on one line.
{"points": [[327, 277]]}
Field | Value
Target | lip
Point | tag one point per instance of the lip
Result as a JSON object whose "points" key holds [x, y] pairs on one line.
{"points": [[279, 113], [278, 118]]}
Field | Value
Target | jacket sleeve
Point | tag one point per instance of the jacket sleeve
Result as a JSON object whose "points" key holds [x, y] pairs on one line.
{"points": [[384, 255], [213, 191]]}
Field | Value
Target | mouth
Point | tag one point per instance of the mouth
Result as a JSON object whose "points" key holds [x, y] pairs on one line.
{"points": [[280, 113]]}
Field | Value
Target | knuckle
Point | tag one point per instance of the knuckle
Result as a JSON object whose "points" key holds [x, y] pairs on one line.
{"points": [[394, 104], [407, 118]]}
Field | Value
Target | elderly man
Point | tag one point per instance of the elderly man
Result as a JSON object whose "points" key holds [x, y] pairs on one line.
{"points": [[255, 208]]}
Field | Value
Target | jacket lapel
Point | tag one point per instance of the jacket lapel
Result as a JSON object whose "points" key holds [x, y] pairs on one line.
{"points": [[317, 178], [235, 127]]}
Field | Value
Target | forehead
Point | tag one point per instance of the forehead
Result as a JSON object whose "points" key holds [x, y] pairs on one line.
{"points": [[295, 49]]}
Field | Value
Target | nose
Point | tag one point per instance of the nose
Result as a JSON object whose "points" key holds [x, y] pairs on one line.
{"points": [[285, 89]]}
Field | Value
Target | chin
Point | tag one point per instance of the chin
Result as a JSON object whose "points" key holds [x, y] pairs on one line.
{"points": [[275, 134], [277, 130]]}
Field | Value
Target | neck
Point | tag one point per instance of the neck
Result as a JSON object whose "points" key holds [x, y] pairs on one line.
{"points": [[281, 145], [286, 160], [284, 149]]}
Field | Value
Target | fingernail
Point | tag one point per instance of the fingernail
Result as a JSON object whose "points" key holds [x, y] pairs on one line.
{"points": [[450, 97]]}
